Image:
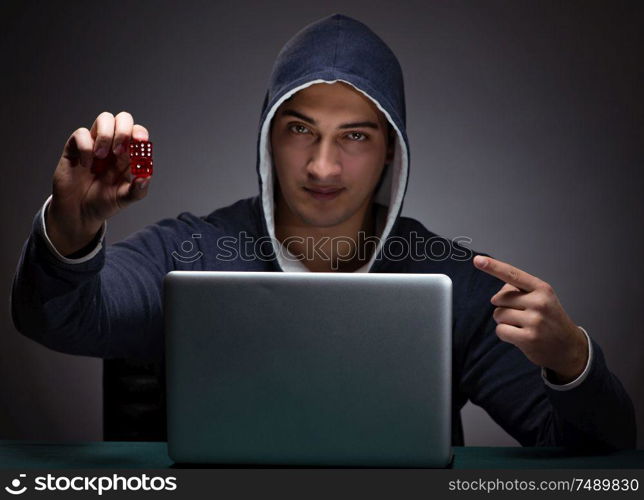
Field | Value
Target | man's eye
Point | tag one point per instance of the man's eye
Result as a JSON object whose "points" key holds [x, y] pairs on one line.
{"points": [[357, 136], [300, 129]]}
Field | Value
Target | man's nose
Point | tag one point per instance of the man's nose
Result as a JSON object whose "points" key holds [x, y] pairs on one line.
{"points": [[324, 163]]}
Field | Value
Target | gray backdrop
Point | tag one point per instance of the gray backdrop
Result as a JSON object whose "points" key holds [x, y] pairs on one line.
{"points": [[525, 123]]}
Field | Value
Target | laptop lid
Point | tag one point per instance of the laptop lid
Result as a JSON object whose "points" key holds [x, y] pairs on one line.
{"points": [[328, 369]]}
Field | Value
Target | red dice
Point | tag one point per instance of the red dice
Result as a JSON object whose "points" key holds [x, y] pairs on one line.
{"points": [[141, 158]]}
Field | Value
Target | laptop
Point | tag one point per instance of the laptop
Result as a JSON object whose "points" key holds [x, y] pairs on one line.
{"points": [[308, 369]]}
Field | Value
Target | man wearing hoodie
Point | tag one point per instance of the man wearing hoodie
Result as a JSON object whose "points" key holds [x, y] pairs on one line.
{"points": [[333, 167]]}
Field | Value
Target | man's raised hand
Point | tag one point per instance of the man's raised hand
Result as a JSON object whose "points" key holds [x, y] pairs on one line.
{"points": [[92, 180]]}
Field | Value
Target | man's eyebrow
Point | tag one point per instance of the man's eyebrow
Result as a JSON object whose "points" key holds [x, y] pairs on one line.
{"points": [[297, 114]]}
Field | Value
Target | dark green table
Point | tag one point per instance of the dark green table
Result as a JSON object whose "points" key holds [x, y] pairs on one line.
{"points": [[133, 455]]}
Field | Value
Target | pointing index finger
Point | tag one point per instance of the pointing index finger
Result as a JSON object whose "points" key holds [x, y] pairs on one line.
{"points": [[505, 272]]}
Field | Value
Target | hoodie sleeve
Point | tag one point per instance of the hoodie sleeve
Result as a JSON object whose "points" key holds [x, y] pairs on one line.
{"points": [[108, 305], [82, 255], [596, 413]]}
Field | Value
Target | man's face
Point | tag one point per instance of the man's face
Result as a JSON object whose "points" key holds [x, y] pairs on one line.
{"points": [[330, 146]]}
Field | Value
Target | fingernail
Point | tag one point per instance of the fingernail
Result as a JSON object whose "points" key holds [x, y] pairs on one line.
{"points": [[101, 152], [118, 149], [481, 261], [143, 184]]}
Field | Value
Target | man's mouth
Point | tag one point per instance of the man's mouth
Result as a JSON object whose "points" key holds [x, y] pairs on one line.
{"points": [[327, 193]]}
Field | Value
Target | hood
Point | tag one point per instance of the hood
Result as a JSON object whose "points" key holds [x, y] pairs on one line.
{"points": [[337, 48]]}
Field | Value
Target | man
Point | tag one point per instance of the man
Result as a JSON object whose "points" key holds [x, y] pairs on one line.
{"points": [[333, 166]]}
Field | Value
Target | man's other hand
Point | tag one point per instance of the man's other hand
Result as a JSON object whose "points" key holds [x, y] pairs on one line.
{"points": [[529, 315]]}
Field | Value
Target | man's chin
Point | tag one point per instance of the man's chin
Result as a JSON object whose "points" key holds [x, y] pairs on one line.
{"points": [[322, 220]]}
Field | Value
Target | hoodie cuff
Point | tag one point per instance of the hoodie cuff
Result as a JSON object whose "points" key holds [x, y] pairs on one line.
{"points": [[580, 378], [87, 253]]}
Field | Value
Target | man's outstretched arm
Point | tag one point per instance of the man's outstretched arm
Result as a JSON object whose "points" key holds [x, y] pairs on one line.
{"points": [[71, 293]]}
